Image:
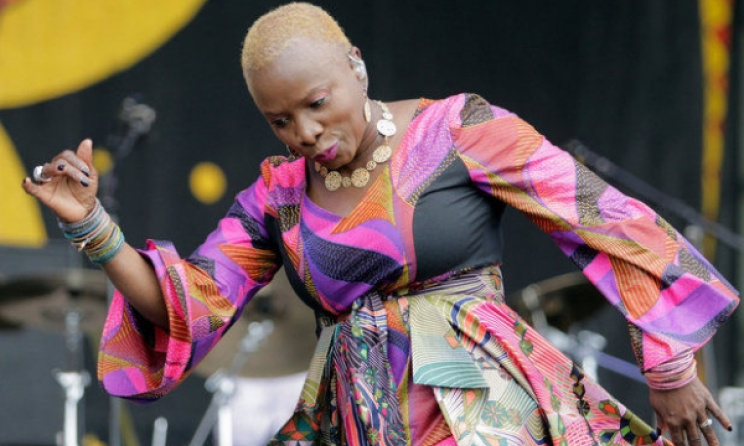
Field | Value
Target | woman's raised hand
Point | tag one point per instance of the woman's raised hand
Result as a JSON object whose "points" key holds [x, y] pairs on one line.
{"points": [[67, 184]]}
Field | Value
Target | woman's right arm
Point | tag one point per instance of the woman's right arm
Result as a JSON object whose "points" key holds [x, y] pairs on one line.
{"points": [[69, 190], [135, 279]]}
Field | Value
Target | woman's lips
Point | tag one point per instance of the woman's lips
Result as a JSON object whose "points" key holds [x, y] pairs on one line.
{"points": [[327, 155]]}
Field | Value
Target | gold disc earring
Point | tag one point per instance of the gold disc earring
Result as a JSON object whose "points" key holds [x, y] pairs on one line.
{"points": [[367, 107]]}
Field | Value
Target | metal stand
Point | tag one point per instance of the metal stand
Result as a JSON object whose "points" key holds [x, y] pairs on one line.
{"points": [[222, 385], [73, 381], [74, 384], [585, 347], [651, 195], [159, 431]]}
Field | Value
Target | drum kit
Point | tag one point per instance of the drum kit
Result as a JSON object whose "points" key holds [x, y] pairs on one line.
{"points": [[262, 357], [70, 303], [559, 308], [258, 368]]}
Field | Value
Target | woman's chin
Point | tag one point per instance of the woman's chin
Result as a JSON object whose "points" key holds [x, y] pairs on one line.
{"points": [[337, 163]]}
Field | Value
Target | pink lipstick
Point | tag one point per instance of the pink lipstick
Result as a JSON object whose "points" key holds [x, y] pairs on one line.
{"points": [[327, 155]]}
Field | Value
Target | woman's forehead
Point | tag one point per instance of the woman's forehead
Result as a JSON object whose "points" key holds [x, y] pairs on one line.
{"points": [[305, 51], [300, 66]]}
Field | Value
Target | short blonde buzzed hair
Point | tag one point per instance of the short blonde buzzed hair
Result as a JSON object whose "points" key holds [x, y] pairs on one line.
{"points": [[271, 33]]}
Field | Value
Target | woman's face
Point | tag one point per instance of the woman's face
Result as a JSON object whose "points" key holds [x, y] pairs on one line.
{"points": [[313, 99]]}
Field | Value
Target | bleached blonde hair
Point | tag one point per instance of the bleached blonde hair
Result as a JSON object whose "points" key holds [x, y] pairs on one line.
{"points": [[271, 33]]}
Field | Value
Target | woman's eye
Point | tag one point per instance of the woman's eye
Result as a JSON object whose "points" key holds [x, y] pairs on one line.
{"points": [[281, 122], [318, 103]]}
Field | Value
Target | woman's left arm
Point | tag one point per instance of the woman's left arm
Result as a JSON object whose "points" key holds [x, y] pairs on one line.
{"points": [[672, 297]]}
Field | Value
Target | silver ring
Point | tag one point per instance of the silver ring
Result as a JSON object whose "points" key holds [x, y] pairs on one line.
{"points": [[706, 423], [38, 175]]}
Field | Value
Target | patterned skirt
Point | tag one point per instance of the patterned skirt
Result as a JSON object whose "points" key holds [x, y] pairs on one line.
{"points": [[496, 381]]}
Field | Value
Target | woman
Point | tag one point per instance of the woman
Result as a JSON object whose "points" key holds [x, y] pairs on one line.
{"points": [[387, 219]]}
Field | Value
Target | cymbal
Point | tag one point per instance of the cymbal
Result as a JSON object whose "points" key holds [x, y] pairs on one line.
{"points": [[90, 282], [44, 301], [564, 300], [286, 350]]}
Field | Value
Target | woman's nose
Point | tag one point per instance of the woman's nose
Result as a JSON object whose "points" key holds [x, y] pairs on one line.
{"points": [[308, 131]]}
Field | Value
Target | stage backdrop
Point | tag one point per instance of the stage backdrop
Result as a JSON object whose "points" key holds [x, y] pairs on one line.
{"points": [[625, 78]]}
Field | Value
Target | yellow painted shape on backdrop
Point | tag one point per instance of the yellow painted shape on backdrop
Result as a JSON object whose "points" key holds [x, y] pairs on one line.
{"points": [[207, 182], [21, 223], [103, 161], [49, 48]]}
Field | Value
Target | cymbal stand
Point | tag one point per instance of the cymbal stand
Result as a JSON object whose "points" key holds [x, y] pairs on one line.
{"points": [[159, 432], [585, 346], [222, 385], [74, 379]]}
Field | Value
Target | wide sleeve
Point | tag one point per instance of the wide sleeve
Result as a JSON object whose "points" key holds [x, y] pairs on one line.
{"points": [[673, 298], [204, 294]]}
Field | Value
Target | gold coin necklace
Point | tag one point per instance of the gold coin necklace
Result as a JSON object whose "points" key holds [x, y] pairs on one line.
{"points": [[360, 176]]}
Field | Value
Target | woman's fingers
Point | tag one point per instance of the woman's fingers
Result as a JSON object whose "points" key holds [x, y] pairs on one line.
{"points": [[715, 410], [706, 427], [678, 436], [660, 423], [82, 158], [30, 187], [67, 184], [85, 153], [694, 438], [69, 167], [689, 411], [696, 431], [77, 165]]}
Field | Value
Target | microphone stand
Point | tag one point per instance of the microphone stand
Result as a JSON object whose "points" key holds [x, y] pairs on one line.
{"points": [[222, 385], [73, 378], [650, 194]]}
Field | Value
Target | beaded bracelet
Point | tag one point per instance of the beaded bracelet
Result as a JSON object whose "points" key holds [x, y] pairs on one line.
{"points": [[674, 373], [97, 235]]}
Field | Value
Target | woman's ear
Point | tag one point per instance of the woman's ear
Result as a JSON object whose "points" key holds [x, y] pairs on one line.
{"points": [[357, 63]]}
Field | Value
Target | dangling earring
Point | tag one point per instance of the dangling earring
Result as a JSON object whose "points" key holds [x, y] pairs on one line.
{"points": [[367, 108], [293, 155]]}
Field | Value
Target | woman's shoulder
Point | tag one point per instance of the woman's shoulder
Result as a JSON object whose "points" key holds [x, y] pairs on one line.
{"points": [[461, 109], [453, 112], [280, 183]]}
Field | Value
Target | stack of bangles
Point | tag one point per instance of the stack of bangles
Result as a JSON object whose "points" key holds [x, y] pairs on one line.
{"points": [[97, 235], [673, 374]]}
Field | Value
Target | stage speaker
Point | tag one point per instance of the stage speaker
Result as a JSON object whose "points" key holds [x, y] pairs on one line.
{"points": [[31, 400]]}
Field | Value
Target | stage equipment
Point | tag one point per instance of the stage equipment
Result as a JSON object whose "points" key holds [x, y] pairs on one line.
{"points": [[286, 351], [260, 385], [71, 303], [556, 306], [222, 385], [54, 300], [653, 196]]}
